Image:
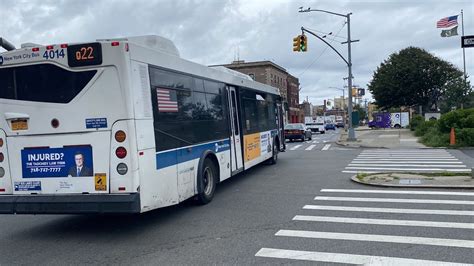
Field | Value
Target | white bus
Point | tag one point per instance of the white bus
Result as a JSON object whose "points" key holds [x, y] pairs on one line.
{"points": [[125, 126]]}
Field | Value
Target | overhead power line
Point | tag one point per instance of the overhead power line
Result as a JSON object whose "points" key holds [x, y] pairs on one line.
{"points": [[323, 51]]}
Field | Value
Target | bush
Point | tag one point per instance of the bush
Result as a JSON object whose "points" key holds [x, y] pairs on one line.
{"points": [[465, 137], [434, 138], [415, 121], [425, 126], [463, 118]]}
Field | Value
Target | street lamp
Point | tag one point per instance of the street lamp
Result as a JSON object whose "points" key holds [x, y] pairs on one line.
{"points": [[351, 133]]}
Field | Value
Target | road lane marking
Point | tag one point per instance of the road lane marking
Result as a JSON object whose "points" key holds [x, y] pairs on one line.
{"points": [[392, 200], [445, 242], [406, 162], [315, 142], [346, 258], [402, 159], [388, 210], [414, 192], [411, 165], [326, 147], [409, 169], [406, 157], [407, 151], [295, 147], [352, 220], [310, 147]]}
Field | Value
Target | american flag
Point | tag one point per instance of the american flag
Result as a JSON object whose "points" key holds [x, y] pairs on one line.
{"points": [[167, 100], [447, 22]]}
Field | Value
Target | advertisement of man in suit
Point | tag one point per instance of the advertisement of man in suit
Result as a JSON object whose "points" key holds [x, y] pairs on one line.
{"points": [[79, 169]]}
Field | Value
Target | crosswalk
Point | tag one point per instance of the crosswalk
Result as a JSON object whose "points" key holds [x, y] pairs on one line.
{"points": [[433, 212], [405, 160], [311, 145]]}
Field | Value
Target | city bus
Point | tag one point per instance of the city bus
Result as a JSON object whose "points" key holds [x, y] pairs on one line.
{"points": [[125, 126]]}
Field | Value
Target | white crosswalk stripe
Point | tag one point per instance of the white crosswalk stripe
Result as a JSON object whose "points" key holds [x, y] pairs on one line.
{"points": [[382, 221], [326, 147], [310, 147], [460, 243], [295, 147], [388, 210], [409, 192], [339, 213], [407, 160], [347, 258]]}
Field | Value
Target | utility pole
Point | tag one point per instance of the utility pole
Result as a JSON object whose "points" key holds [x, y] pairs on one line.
{"points": [[351, 134]]}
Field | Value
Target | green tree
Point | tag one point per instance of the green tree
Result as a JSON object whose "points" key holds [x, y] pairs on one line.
{"points": [[361, 111], [415, 77]]}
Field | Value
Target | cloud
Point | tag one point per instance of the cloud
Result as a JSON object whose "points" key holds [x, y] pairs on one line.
{"points": [[217, 32]]}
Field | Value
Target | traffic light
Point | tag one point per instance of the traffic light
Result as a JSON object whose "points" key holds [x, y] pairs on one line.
{"points": [[297, 43], [303, 43], [354, 92]]}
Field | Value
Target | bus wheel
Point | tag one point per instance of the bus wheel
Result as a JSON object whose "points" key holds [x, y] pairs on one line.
{"points": [[207, 181], [274, 158]]}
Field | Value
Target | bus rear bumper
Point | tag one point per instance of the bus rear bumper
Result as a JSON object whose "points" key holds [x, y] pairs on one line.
{"points": [[70, 204]]}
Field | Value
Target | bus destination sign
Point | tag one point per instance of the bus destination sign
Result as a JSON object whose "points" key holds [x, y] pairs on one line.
{"points": [[87, 54]]}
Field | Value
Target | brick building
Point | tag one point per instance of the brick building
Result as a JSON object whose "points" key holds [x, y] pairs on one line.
{"points": [[274, 75]]}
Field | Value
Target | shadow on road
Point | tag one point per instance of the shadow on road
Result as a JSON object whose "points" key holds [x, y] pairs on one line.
{"points": [[120, 227]]}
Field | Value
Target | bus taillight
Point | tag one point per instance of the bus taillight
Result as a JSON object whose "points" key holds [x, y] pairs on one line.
{"points": [[115, 43], [121, 152], [64, 45], [122, 168], [120, 136], [1, 157], [2, 172], [1, 142]]}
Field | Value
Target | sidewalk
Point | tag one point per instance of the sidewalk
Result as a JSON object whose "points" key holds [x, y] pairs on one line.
{"points": [[465, 181], [381, 138]]}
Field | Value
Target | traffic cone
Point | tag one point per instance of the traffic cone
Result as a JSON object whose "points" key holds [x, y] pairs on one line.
{"points": [[452, 137]]}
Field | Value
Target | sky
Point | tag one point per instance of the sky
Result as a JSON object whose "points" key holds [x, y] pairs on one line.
{"points": [[220, 31]]}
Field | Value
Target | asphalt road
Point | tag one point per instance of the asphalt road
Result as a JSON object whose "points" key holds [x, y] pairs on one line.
{"points": [[243, 220]]}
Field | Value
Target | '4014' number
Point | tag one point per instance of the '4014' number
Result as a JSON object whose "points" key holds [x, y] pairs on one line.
{"points": [[51, 54]]}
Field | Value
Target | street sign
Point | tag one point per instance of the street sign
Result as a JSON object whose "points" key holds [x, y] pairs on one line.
{"points": [[467, 41]]}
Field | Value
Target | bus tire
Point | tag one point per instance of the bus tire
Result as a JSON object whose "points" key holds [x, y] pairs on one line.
{"points": [[207, 180], [274, 158]]}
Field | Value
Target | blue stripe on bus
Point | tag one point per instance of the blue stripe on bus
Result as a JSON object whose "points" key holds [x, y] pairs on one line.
{"points": [[169, 158]]}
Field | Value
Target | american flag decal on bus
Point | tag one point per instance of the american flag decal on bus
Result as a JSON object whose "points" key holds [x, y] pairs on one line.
{"points": [[167, 100]]}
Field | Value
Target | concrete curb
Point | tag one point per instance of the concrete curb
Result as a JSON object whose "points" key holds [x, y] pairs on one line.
{"points": [[356, 180]]}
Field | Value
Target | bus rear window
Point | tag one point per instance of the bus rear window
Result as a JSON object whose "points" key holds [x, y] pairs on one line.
{"points": [[42, 83]]}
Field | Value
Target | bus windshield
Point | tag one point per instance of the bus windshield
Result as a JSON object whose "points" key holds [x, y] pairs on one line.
{"points": [[42, 83]]}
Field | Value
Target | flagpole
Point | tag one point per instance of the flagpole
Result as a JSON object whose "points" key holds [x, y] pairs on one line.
{"points": [[463, 52]]}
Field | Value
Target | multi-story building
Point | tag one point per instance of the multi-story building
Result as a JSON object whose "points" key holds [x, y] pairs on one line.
{"points": [[274, 75], [340, 103]]}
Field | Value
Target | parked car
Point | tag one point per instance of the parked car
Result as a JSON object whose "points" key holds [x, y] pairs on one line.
{"points": [[297, 131], [330, 126], [339, 124]]}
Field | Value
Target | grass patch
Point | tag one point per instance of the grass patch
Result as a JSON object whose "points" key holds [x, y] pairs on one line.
{"points": [[361, 176]]}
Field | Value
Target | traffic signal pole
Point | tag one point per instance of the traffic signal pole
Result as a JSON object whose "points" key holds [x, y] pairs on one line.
{"points": [[351, 133]]}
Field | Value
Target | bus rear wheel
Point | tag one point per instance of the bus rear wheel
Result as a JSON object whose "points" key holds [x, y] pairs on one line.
{"points": [[274, 158], [207, 181]]}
